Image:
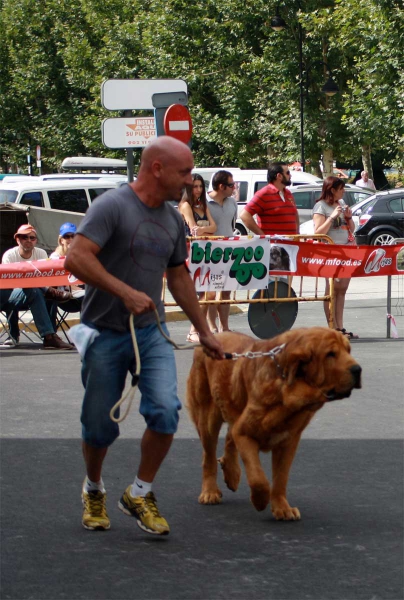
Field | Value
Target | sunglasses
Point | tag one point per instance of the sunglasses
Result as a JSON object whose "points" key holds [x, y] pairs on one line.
{"points": [[231, 185], [28, 237], [68, 236]]}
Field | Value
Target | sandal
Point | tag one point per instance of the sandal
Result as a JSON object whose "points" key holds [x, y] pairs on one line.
{"points": [[193, 337], [349, 334]]}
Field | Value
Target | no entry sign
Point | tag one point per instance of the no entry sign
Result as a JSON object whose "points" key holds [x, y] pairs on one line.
{"points": [[178, 123]]}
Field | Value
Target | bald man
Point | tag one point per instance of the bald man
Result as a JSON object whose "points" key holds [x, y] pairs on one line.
{"points": [[128, 239]]}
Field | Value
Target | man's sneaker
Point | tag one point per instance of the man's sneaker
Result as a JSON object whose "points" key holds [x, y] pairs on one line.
{"points": [[145, 511], [95, 512], [53, 342], [12, 341]]}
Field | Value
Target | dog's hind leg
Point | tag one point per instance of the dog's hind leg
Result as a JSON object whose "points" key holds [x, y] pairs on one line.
{"points": [[209, 424], [230, 463]]}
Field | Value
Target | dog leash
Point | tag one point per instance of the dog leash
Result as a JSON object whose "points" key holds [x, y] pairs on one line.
{"points": [[130, 394]]}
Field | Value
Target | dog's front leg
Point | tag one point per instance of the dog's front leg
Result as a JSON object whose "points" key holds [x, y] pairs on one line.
{"points": [[282, 458], [259, 484]]}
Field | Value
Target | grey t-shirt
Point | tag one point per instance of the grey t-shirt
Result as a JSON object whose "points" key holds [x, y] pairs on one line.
{"points": [[339, 230], [138, 244], [224, 216]]}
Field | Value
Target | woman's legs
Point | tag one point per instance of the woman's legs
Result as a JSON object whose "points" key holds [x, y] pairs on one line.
{"points": [[340, 288]]}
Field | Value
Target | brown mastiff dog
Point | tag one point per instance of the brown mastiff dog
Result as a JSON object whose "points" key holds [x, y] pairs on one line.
{"points": [[267, 401]]}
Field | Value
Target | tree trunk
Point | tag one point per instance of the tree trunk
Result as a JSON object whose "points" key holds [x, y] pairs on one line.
{"points": [[328, 168], [367, 160]]}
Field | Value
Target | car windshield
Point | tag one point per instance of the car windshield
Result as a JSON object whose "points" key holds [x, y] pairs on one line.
{"points": [[7, 196], [363, 206]]}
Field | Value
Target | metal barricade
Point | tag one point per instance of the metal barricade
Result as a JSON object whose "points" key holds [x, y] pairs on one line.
{"points": [[400, 279]]}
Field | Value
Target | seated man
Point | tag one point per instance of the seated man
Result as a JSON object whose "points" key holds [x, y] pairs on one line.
{"points": [[32, 299]]}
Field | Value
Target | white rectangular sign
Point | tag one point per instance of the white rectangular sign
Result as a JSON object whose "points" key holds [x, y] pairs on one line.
{"points": [[136, 94], [133, 132]]}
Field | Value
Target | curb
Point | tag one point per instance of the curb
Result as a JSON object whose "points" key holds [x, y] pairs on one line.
{"points": [[171, 317]]}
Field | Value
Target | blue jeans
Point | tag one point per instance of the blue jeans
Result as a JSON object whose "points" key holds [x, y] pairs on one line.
{"points": [[11, 301], [105, 366]]}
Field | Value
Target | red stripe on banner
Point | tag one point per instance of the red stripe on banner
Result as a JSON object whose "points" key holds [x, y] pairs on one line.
{"points": [[344, 261], [39, 273]]}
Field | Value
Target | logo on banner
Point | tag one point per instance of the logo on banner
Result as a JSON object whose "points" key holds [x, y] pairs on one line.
{"points": [[376, 260], [243, 261]]}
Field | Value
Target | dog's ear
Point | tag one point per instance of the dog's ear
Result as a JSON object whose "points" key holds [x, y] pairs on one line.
{"points": [[295, 361]]}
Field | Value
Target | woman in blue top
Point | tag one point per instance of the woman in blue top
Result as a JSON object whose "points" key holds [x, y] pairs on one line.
{"points": [[198, 221]]}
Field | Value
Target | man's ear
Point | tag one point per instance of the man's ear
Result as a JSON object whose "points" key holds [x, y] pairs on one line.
{"points": [[156, 168]]}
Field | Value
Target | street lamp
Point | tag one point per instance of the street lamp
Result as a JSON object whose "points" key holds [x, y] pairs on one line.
{"points": [[329, 88]]}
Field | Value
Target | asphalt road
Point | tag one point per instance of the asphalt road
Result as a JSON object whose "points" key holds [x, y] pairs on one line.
{"points": [[347, 480]]}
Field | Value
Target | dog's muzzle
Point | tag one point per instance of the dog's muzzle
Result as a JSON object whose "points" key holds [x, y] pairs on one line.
{"points": [[333, 394]]}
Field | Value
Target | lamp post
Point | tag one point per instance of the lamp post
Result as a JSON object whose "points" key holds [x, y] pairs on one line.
{"points": [[329, 88]]}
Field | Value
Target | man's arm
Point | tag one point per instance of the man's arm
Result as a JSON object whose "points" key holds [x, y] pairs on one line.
{"points": [[82, 261], [249, 222], [183, 291]]}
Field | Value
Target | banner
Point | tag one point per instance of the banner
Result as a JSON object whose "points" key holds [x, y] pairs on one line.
{"points": [[33, 274], [218, 271], [232, 264], [308, 259], [239, 263]]}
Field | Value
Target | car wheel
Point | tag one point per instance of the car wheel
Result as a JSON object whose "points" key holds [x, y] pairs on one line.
{"points": [[239, 230], [382, 238]]}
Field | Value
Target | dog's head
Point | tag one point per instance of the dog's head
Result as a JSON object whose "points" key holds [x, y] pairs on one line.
{"points": [[317, 367]]}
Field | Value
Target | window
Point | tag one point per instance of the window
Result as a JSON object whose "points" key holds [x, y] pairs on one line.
{"points": [[259, 185], [72, 200], [240, 191], [396, 205], [32, 199], [8, 196], [95, 192], [352, 198], [302, 199]]}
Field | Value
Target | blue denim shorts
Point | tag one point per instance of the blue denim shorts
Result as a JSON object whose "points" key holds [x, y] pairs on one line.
{"points": [[105, 366]]}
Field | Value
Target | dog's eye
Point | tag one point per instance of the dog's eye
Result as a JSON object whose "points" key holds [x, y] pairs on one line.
{"points": [[331, 355]]}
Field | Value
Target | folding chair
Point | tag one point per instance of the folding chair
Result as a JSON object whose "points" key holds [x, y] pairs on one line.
{"points": [[63, 310]]}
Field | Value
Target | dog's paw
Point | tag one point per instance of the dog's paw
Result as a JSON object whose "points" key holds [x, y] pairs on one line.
{"points": [[260, 497], [231, 473], [284, 512], [210, 497]]}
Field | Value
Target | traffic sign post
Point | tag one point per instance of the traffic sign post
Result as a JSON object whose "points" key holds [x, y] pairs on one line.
{"points": [[168, 98], [178, 123]]}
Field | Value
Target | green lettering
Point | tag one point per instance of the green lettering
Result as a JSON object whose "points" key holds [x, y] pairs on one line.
{"points": [[217, 255], [259, 253], [197, 253]]}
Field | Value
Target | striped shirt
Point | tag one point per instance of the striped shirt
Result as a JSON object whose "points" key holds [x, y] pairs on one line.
{"points": [[275, 216]]}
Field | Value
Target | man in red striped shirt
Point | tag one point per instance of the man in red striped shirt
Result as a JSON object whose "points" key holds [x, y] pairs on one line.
{"points": [[274, 205]]}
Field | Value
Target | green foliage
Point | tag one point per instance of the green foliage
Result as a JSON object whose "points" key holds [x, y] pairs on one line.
{"points": [[243, 77]]}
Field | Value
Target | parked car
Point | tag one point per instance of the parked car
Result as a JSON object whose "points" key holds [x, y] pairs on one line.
{"points": [[75, 195], [381, 219]]}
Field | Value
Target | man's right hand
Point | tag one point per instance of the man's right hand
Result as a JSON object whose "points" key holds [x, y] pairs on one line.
{"points": [[138, 303]]}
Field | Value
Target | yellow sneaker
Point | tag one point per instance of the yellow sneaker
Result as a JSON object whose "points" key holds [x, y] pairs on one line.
{"points": [[95, 512], [145, 511]]}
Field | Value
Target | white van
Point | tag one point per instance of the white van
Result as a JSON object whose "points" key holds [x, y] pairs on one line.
{"points": [[70, 195], [250, 181]]}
